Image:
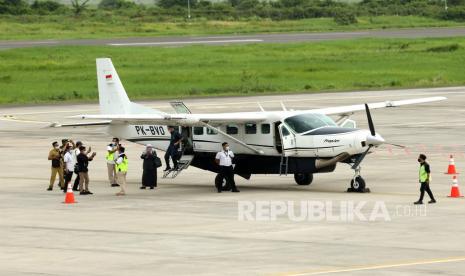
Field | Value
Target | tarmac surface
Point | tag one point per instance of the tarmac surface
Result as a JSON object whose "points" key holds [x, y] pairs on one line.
{"points": [[185, 228], [180, 41]]}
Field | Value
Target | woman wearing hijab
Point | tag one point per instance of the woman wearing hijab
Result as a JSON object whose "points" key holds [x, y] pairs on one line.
{"points": [[151, 163]]}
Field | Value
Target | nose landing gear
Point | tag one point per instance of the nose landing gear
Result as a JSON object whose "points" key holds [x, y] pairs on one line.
{"points": [[357, 184]]}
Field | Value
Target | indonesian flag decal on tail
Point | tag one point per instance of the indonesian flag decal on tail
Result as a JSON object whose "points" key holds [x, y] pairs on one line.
{"points": [[108, 76]]}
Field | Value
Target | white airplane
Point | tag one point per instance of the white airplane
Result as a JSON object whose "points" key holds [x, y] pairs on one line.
{"points": [[302, 143]]}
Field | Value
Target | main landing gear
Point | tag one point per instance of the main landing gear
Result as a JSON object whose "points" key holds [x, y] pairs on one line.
{"points": [[357, 184], [303, 178]]}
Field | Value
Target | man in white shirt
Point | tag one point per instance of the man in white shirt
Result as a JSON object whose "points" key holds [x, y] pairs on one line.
{"points": [[224, 160], [69, 166]]}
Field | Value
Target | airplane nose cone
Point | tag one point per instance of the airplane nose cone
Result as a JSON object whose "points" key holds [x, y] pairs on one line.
{"points": [[375, 140]]}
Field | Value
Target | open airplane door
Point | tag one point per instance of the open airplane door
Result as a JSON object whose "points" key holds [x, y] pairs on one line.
{"points": [[287, 141]]}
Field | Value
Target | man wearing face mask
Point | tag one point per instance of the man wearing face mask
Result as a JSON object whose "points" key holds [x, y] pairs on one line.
{"points": [[57, 165], [425, 176], [122, 169], [224, 160], [69, 166], [111, 166]]}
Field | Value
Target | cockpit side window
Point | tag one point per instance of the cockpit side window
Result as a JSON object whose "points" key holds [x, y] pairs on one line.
{"points": [[305, 122], [284, 131]]}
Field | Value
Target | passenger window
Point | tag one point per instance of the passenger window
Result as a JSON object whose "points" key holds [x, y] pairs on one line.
{"points": [[266, 128], [198, 130], [211, 131], [250, 129], [230, 129]]}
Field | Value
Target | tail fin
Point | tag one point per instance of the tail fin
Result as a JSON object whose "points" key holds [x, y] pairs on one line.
{"points": [[112, 96]]}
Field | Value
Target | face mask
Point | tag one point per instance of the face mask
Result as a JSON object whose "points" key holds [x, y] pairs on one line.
{"points": [[56, 147], [226, 148]]}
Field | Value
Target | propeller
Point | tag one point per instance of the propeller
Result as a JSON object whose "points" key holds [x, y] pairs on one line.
{"points": [[372, 139], [370, 121]]}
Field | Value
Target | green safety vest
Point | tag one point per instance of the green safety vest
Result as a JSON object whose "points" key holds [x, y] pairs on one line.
{"points": [[110, 156], [423, 173], [123, 166]]}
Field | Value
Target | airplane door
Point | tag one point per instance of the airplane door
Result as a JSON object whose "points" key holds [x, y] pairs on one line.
{"points": [[287, 141]]}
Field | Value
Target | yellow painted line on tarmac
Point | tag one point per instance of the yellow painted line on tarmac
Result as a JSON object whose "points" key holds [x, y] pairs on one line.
{"points": [[377, 267]]}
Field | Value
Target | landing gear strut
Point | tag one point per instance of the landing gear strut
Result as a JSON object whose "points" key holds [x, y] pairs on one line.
{"points": [[357, 184]]}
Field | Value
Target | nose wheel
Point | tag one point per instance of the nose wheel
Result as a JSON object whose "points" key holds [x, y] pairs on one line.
{"points": [[357, 184]]}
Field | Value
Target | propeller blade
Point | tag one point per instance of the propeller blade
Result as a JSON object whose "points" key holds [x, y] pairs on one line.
{"points": [[360, 159], [370, 121]]}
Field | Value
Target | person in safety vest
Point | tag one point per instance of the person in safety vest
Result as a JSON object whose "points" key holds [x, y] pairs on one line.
{"points": [[424, 178], [110, 158], [121, 170]]}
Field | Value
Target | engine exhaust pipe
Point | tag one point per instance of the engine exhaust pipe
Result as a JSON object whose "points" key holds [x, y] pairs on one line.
{"points": [[321, 163]]}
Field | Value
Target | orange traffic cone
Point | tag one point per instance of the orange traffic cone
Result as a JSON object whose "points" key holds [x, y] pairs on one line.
{"points": [[454, 190], [69, 197], [451, 169]]}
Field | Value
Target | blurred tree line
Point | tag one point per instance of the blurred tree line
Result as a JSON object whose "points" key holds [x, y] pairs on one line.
{"points": [[342, 12]]}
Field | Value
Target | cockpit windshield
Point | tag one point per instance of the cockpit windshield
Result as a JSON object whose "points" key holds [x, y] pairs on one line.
{"points": [[306, 122]]}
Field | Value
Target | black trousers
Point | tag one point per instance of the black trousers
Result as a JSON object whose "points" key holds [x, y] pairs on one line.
{"points": [[171, 152], [228, 174], [425, 187], [76, 182], [68, 176]]}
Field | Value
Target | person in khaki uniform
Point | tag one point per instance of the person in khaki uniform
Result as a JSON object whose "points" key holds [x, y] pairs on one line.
{"points": [[57, 166]]}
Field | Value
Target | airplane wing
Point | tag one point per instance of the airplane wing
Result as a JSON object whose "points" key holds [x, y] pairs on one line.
{"points": [[181, 119], [349, 109], [101, 123]]}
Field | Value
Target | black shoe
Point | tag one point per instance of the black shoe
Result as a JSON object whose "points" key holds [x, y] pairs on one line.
{"points": [[115, 185], [50, 189], [219, 190], [418, 202], [151, 188], [432, 201], [143, 188], [75, 190], [83, 193], [167, 169], [235, 191], [89, 193]]}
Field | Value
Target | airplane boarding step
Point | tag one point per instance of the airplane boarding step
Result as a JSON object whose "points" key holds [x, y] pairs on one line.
{"points": [[183, 163], [283, 165]]}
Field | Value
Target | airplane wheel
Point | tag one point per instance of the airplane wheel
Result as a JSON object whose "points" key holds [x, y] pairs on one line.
{"points": [[303, 178], [358, 185], [221, 181]]}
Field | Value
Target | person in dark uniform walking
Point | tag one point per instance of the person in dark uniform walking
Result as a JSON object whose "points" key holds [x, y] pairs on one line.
{"points": [[149, 175], [224, 160], [424, 178], [172, 151]]}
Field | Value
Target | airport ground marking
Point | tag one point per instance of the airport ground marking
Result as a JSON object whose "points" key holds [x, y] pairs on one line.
{"points": [[380, 266]]}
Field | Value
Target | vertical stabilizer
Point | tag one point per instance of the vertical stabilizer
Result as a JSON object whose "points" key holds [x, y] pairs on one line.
{"points": [[112, 96]]}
